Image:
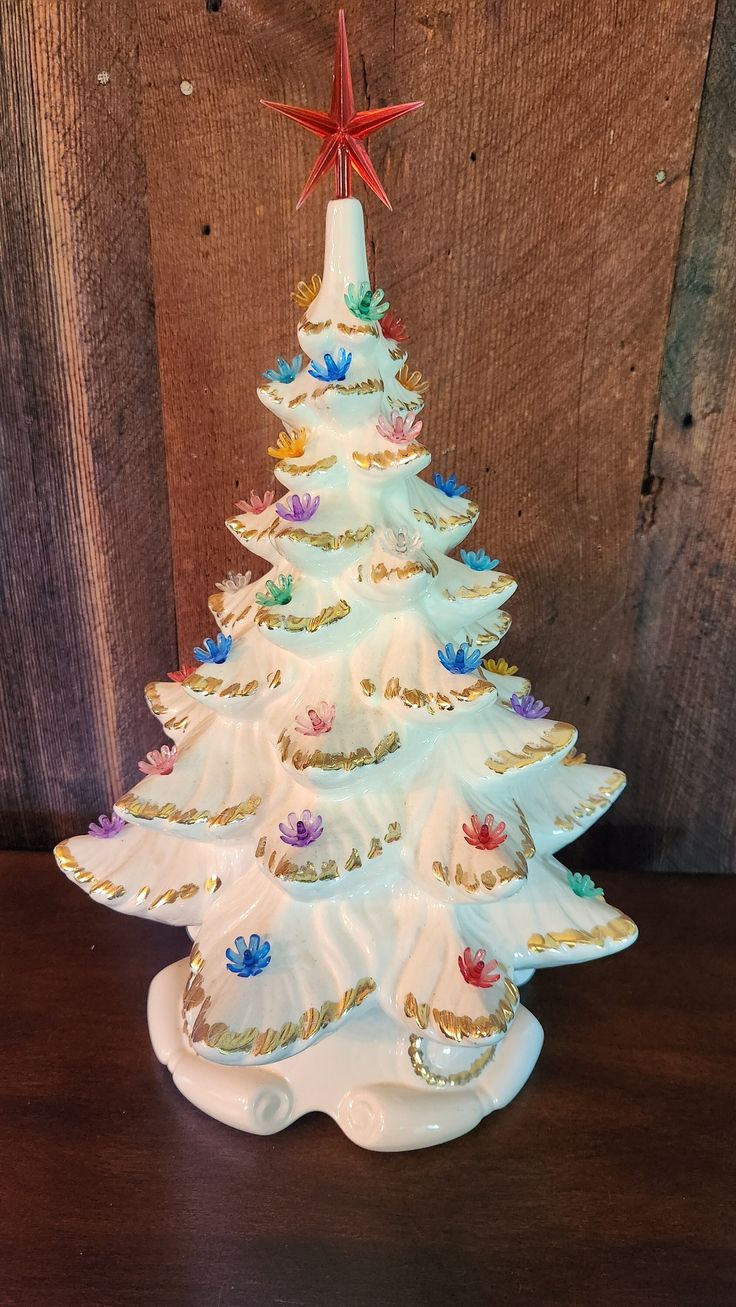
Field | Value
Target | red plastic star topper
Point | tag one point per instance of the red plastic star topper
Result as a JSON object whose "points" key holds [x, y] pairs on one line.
{"points": [[342, 129]]}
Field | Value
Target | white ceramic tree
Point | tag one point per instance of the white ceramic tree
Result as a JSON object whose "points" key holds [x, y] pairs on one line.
{"points": [[358, 825]]}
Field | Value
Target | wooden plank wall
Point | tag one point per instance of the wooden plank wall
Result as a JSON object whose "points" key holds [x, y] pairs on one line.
{"points": [[540, 199], [681, 605], [86, 613]]}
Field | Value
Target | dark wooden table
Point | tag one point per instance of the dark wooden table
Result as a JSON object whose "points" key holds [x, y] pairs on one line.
{"points": [[608, 1181]]}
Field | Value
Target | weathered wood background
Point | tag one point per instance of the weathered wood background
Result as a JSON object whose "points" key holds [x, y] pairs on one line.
{"points": [[562, 249]]}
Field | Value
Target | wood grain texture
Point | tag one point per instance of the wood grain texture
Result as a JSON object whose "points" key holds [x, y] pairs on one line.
{"points": [[682, 605], [86, 615], [609, 1179], [531, 252]]}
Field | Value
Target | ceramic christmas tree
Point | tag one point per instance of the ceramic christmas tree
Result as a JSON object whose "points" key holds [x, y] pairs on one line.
{"points": [[358, 814]]}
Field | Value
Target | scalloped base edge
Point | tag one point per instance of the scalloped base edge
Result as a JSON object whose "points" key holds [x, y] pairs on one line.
{"points": [[361, 1076]]}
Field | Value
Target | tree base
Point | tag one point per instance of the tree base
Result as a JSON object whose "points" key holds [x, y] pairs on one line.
{"points": [[386, 1091]]}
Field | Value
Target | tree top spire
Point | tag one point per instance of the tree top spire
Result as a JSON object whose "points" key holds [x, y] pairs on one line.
{"points": [[342, 130]]}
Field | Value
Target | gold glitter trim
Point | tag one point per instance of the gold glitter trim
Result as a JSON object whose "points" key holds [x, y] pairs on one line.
{"points": [[486, 637], [306, 873], [555, 940], [528, 847], [202, 684], [216, 605], [298, 399], [194, 993], [415, 566], [447, 523], [233, 618], [238, 691], [212, 884], [106, 888], [171, 895], [311, 328], [303, 470], [154, 700], [135, 806], [368, 687], [176, 724], [244, 533], [500, 582], [412, 380], [419, 1012], [365, 329], [271, 392], [558, 737], [489, 880], [397, 352], [371, 386], [574, 759], [261, 1042], [436, 701], [306, 291], [325, 539], [388, 458], [589, 807], [282, 621], [93, 885], [409, 405], [459, 1028], [346, 762], [157, 706], [435, 1078], [207, 685]]}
